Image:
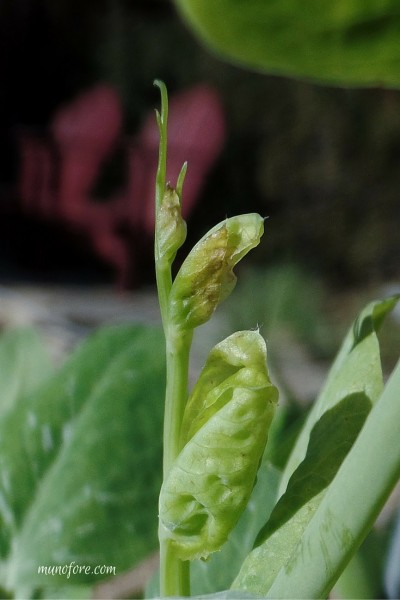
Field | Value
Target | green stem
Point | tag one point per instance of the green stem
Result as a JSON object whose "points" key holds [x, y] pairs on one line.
{"points": [[178, 349], [174, 573], [163, 268]]}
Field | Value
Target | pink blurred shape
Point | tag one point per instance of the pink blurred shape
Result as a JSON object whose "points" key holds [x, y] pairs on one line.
{"points": [[58, 175]]}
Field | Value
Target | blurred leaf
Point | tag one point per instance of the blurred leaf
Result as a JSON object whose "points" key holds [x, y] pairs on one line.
{"points": [[363, 576], [392, 572], [343, 42], [80, 462], [24, 364]]}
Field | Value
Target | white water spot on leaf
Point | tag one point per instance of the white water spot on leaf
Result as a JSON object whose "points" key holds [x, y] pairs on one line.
{"points": [[32, 420], [6, 511], [5, 479], [130, 374], [47, 438], [84, 529], [54, 525], [105, 497], [88, 491], [67, 431]]}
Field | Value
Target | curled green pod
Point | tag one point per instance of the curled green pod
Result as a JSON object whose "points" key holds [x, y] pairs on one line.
{"points": [[227, 419], [206, 277]]}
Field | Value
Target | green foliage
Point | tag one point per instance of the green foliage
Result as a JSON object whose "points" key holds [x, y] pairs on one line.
{"points": [[311, 475], [225, 428], [80, 448], [343, 42], [288, 299], [206, 276], [25, 364], [80, 460]]}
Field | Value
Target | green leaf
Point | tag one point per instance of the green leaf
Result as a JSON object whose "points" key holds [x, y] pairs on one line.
{"points": [[211, 480], [80, 462], [354, 384], [24, 364], [356, 369], [218, 572], [330, 441], [343, 42], [239, 361], [206, 276], [370, 471]]}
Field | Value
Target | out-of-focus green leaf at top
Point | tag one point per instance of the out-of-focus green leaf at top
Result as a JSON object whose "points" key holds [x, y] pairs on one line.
{"points": [[343, 42]]}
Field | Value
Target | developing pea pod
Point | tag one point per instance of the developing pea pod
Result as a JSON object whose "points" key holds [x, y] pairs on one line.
{"points": [[225, 429], [206, 277], [170, 226]]}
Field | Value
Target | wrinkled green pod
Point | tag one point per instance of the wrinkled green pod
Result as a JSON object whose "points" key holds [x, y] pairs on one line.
{"points": [[225, 426], [206, 277]]}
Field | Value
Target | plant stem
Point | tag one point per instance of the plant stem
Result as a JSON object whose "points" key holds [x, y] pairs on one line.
{"points": [[174, 573], [178, 349]]}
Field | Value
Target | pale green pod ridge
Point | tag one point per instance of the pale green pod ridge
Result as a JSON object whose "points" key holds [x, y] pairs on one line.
{"points": [[206, 277], [171, 227], [211, 480]]}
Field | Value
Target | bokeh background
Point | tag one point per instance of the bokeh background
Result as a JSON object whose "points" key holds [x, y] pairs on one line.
{"points": [[321, 162]]}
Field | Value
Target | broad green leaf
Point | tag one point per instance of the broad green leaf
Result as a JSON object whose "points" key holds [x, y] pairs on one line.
{"points": [[354, 384], [343, 42], [80, 462], [356, 369], [369, 472], [24, 364], [330, 441], [212, 478], [206, 277]]}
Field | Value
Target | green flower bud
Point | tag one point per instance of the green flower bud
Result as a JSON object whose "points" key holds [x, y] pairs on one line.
{"points": [[227, 419], [171, 228], [206, 276]]}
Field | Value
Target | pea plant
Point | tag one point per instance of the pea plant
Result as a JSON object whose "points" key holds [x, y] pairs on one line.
{"points": [[346, 458], [246, 508]]}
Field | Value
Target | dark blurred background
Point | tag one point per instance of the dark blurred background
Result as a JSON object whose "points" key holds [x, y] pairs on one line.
{"points": [[322, 163]]}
